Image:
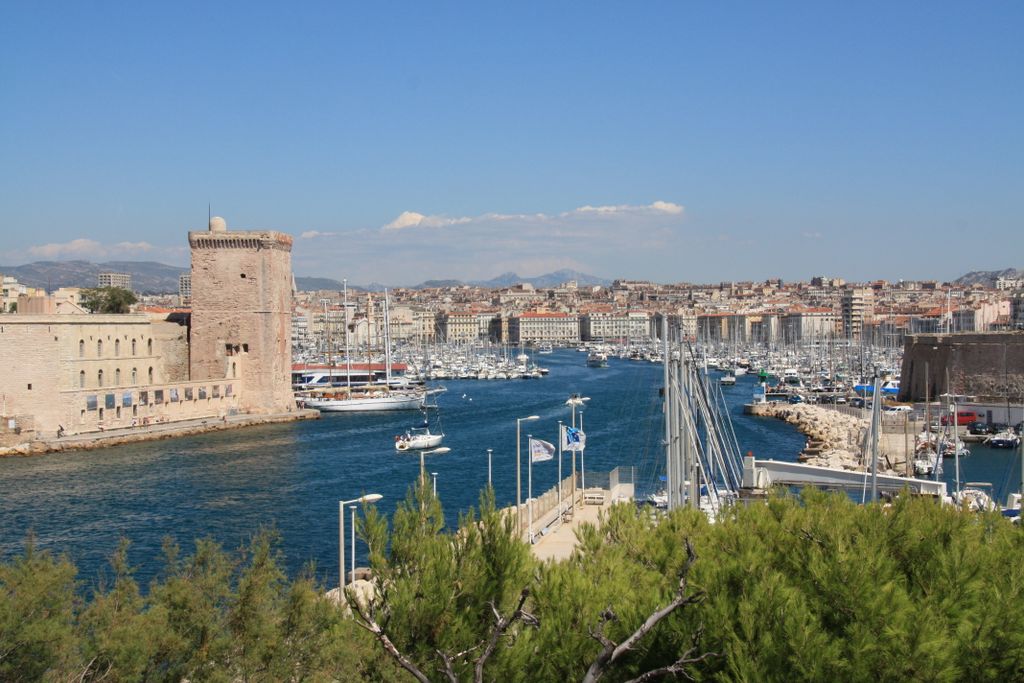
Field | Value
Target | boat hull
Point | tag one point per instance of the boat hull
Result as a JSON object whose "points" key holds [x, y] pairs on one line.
{"points": [[366, 404]]}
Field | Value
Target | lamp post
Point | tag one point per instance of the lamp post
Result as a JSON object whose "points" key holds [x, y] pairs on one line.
{"points": [[434, 476], [519, 475], [574, 401], [368, 498], [434, 451], [352, 574]]}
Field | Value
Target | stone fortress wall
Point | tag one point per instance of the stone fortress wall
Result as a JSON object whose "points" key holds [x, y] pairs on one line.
{"points": [[987, 365], [241, 312], [84, 374]]}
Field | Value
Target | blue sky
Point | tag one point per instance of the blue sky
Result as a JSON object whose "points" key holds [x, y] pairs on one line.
{"points": [[405, 141]]}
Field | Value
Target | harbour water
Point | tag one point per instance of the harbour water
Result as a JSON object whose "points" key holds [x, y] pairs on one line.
{"points": [[226, 485]]}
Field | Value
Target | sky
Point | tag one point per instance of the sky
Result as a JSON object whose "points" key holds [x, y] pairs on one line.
{"points": [[400, 142]]}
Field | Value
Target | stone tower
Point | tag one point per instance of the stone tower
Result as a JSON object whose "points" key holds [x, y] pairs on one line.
{"points": [[241, 314]]}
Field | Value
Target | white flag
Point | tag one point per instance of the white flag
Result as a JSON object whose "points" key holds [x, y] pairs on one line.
{"points": [[541, 450], [573, 439]]}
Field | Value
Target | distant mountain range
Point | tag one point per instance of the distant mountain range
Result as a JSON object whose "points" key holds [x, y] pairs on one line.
{"points": [[987, 277], [150, 277]]}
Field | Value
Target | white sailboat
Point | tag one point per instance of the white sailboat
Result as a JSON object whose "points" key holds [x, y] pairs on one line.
{"points": [[350, 399]]}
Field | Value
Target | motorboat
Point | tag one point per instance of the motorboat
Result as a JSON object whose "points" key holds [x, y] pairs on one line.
{"points": [[1003, 439], [597, 359]]}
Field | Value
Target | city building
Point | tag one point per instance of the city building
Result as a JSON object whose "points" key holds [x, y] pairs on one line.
{"points": [[185, 289], [540, 326], [122, 280], [856, 308]]}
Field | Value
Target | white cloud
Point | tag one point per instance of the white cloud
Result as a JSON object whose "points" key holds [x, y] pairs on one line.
{"points": [[133, 246], [79, 247], [311, 234], [811, 235], [412, 219], [658, 207], [87, 248], [667, 207]]}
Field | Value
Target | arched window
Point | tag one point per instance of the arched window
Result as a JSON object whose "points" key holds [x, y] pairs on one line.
{"points": [[151, 375], [99, 348], [233, 370], [117, 347], [135, 375], [81, 379], [81, 348], [149, 347], [133, 346], [117, 377], [99, 378]]}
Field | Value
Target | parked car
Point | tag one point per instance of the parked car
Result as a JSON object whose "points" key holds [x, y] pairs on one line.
{"points": [[979, 427], [963, 417], [857, 402], [898, 409], [1019, 428], [1000, 427]]}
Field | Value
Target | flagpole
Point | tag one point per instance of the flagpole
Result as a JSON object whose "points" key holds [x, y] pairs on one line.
{"points": [[583, 466], [560, 437], [529, 487]]}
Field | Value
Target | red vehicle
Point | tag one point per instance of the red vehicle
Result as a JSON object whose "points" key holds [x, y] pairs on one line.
{"points": [[963, 417]]}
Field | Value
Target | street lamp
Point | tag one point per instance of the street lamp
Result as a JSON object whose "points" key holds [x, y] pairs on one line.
{"points": [[368, 498], [519, 476], [574, 401], [434, 451]]}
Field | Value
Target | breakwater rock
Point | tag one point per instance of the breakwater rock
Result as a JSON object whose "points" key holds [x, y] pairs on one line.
{"points": [[834, 439]]}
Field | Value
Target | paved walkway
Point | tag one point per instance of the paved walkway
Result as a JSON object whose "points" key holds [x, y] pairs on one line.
{"points": [[559, 542]]}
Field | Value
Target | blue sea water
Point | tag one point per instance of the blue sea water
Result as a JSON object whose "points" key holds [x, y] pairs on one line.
{"points": [[226, 485]]}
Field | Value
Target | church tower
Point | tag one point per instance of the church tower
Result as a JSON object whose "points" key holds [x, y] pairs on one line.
{"points": [[241, 314]]}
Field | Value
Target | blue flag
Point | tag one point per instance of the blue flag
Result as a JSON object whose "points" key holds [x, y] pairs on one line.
{"points": [[573, 439]]}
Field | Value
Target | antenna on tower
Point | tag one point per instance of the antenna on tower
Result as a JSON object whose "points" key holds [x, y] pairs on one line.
{"points": [[209, 212]]}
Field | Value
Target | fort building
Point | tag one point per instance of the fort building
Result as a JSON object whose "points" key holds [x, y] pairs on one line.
{"points": [[84, 373], [988, 366]]}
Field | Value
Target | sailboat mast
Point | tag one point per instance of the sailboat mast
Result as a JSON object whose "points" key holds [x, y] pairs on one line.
{"points": [[348, 355], [387, 341]]}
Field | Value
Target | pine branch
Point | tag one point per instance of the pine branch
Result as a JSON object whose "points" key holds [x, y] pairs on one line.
{"points": [[502, 625], [678, 667], [367, 621], [611, 652]]}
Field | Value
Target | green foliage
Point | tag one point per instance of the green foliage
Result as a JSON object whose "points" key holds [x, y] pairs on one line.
{"points": [[439, 588], [37, 607], [798, 589], [108, 299]]}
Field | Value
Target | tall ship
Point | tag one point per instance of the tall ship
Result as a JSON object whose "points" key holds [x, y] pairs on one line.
{"points": [[367, 397], [362, 399]]}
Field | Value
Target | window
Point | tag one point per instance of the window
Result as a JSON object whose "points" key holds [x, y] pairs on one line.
{"points": [[151, 375], [133, 346], [234, 370], [81, 379], [81, 348], [149, 347], [135, 376], [117, 347], [117, 376], [99, 348], [99, 378]]}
